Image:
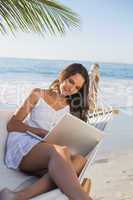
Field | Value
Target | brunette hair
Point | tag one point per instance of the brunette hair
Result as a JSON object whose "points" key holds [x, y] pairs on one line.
{"points": [[79, 105]]}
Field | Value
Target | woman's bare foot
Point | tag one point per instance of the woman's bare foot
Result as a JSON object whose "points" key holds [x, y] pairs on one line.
{"points": [[7, 194]]}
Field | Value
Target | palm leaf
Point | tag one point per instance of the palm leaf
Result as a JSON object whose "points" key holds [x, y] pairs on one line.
{"points": [[41, 16]]}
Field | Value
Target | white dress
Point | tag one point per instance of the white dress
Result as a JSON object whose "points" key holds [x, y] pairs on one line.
{"points": [[20, 143]]}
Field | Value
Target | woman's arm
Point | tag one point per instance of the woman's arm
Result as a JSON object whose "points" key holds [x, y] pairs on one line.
{"points": [[16, 122]]}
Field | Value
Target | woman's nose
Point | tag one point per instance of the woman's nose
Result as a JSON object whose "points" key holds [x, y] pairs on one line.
{"points": [[73, 88]]}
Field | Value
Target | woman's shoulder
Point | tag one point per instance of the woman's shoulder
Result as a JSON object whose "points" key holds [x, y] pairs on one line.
{"points": [[44, 93], [39, 92]]}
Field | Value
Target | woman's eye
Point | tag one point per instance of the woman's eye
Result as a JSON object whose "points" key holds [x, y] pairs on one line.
{"points": [[71, 81], [77, 88]]}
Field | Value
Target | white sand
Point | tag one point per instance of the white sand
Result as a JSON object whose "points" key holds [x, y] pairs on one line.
{"points": [[112, 171], [113, 179]]}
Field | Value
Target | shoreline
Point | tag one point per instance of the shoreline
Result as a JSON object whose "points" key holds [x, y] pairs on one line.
{"points": [[69, 59]]}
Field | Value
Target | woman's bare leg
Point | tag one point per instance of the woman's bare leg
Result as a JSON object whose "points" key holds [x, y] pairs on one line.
{"points": [[78, 163], [60, 171], [66, 179], [45, 183]]}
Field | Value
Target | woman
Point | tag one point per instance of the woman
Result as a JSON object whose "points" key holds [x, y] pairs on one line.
{"points": [[55, 164]]}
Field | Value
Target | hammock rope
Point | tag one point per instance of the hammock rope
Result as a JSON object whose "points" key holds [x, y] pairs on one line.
{"points": [[100, 112]]}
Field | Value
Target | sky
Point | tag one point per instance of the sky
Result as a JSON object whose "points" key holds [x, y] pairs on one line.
{"points": [[105, 35]]}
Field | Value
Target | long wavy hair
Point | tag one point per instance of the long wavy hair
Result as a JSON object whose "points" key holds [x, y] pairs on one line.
{"points": [[79, 105]]}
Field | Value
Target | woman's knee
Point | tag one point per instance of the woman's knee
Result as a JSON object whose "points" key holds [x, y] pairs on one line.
{"points": [[62, 151], [67, 152], [79, 158]]}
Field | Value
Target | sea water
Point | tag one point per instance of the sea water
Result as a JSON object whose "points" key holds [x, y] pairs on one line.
{"points": [[19, 76]]}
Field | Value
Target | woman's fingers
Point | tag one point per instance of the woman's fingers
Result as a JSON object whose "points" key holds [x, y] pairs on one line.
{"points": [[86, 185]]}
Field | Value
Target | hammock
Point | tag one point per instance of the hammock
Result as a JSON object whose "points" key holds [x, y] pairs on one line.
{"points": [[100, 112]]}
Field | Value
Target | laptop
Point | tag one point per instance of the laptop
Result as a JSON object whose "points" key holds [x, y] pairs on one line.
{"points": [[79, 136]]}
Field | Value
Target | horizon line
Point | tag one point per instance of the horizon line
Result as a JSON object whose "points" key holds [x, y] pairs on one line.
{"points": [[84, 60]]}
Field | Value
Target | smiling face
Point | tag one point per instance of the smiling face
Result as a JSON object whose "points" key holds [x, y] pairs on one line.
{"points": [[72, 85]]}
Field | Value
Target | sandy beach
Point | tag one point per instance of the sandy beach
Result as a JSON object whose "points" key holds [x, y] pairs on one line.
{"points": [[112, 170], [113, 178]]}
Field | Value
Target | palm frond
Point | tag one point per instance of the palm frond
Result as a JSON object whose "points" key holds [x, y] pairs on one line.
{"points": [[41, 16]]}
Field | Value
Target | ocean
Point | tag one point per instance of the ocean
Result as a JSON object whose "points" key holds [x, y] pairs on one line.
{"points": [[19, 76]]}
